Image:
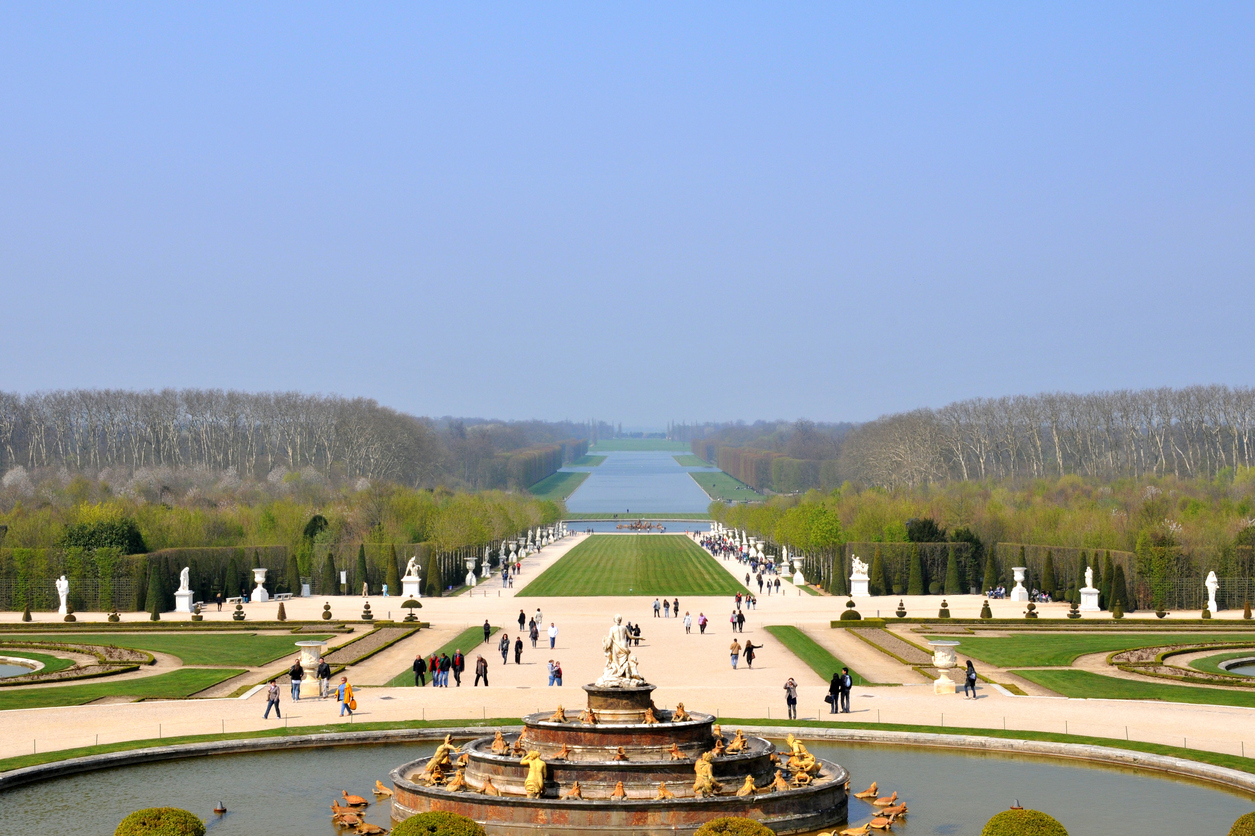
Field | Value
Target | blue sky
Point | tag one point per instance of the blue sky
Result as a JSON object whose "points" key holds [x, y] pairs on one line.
{"points": [[635, 212]]}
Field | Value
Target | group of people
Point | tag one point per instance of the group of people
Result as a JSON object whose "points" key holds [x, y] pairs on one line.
{"points": [[747, 650], [533, 625], [439, 666], [296, 675], [666, 608]]}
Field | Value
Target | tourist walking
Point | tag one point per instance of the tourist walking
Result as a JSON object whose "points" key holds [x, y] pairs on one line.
{"points": [[675, 607], [433, 667], [522, 620], [736, 652], [701, 623], [487, 630], [446, 665], [504, 647], [749, 653], [666, 609], [539, 619], [657, 608], [459, 665], [740, 622], [790, 697], [296, 673], [688, 623], [218, 600], [969, 681], [518, 651], [553, 634], [557, 672], [834, 694], [420, 671], [345, 695], [847, 685], [732, 620], [324, 678], [636, 635], [272, 701], [533, 632], [481, 670]]}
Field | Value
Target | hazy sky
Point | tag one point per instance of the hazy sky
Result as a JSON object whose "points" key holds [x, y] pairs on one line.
{"points": [[634, 212]]}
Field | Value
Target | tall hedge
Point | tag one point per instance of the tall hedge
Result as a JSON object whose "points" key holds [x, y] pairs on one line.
{"points": [[876, 578], [330, 584], [1049, 583], [393, 578], [360, 575], [433, 586], [953, 585], [915, 582], [293, 575]]}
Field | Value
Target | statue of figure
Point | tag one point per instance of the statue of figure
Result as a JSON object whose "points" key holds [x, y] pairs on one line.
{"points": [[619, 670], [535, 774], [705, 785], [184, 579], [860, 568], [440, 758], [411, 568], [1211, 583], [63, 589], [499, 746], [1089, 577], [801, 760]]}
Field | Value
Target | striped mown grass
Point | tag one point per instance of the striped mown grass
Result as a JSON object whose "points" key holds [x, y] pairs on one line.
{"points": [[634, 564]]}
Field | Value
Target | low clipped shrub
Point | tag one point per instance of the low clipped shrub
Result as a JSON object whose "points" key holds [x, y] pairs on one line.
{"points": [[326, 612], [26, 614], [1030, 611], [901, 611], [850, 613], [1117, 611], [283, 614], [1246, 610], [1245, 826], [944, 612], [438, 824], [1206, 613], [985, 612], [1023, 823], [734, 826], [161, 821]]}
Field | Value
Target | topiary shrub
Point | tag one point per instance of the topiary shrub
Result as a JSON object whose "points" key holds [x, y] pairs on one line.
{"points": [[901, 612], [985, 612], [1117, 611], [326, 612], [1245, 826], [69, 612], [944, 612], [438, 824], [26, 614], [1023, 823], [283, 614], [1074, 611], [367, 615], [1030, 611], [114, 618], [734, 826], [1246, 610], [161, 821], [934, 588], [1206, 613], [850, 613], [238, 615]]}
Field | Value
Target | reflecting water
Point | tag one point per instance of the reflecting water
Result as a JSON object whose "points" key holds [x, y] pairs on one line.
{"points": [[13, 670], [644, 482], [949, 793], [1243, 670]]}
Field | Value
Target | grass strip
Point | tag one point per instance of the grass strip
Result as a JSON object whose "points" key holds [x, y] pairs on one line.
{"points": [[587, 461], [689, 460], [815, 655], [1211, 664], [723, 488], [617, 445], [248, 650], [471, 637], [642, 564], [560, 485], [175, 685], [51, 664], [1234, 762], [1089, 685], [1059, 651]]}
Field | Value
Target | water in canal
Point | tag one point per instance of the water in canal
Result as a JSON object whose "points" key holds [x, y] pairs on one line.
{"points": [[629, 483]]}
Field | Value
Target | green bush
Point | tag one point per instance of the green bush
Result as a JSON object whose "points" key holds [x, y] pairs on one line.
{"points": [[438, 824], [850, 613], [1245, 826], [733, 826], [985, 612], [1023, 823], [161, 821], [122, 534], [944, 612], [1206, 613]]}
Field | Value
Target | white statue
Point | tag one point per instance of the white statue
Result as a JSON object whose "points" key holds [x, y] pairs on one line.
{"points": [[1089, 577], [184, 579], [1211, 583], [63, 589], [860, 569], [411, 568], [619, 671]]}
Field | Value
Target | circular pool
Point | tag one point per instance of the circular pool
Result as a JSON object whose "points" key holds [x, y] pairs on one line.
{"points": [[950, 792], [1245, 669]]}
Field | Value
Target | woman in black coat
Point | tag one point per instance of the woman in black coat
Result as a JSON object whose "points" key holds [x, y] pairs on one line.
{"points": [[518, 650], [750, 647], [969, 680], [834, 692]]}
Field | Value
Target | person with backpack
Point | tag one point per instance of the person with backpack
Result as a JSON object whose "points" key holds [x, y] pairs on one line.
{"points": [[847, 685], [296, 673], [969, 681]]}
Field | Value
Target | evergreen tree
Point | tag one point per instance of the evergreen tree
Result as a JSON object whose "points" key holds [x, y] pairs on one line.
{"points": [[1098, 581], [294, 575], [361, 576], [1082, 561], [991, 572], [435, 582], [1108, 580], [394, 573], [915, 584], [876, 585], [256, 559], [330, 583], [156, 588], [840, 582], [953, 586], [1048, 584], [886, 581], [1119, 591]]}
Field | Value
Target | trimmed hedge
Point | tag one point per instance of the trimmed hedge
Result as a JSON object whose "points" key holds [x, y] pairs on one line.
{"points": [[161, 821], [1023, 823], [1245, 826], [438, 824], [734, 826]]}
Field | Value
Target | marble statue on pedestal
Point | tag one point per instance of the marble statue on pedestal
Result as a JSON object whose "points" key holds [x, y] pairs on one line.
{"points": [[183, 595], [1212, 585], [620, 670], [1089, 595], [858, 578], [63, 590]]}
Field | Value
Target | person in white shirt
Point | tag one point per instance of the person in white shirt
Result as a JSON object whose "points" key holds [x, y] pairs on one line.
{"points": [[553, 634]]}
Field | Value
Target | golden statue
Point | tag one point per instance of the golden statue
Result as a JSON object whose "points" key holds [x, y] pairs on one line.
{"points": [[559, 716], [705, 785], [801, 779], [716, 731], [719, 747], [433, 776], [463, 759], [738, 744], [675, 753], [458, 784], [518, 749], [663, 792], [801, 760], [778, 784], [650, 719], [499, 746], [588, 716], [620, 755], [748, 787], [574, 792], [535, 782], [562, 754], [440, 758], [490, 788], [680, 715], [619, 794]]}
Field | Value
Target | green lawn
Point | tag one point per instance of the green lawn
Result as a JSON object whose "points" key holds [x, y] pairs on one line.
{"points": [[469, 641], [245, 649], [587, 461], [175, 685], [660, 515], [1071, 683], [1211, 664], [723, 488], [641, 564], [1060, 650], [689, 460], [558, 486], [615, 445], [52, 664], [816, 657]]}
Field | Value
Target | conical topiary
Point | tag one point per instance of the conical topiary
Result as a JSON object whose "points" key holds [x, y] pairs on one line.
{"points": [[330, 580], [944, 612], [154, 610], [326, 612], [238, 615], [876, 584], [1206, 613], [367, 615], [901, 613], [26, 613], [953, 585], [1246, 610], [283, 614], [985, 612], [915, 582]]}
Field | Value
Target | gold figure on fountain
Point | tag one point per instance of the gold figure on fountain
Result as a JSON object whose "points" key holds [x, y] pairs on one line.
{"points": [[588, 716], [801, 760], [535, 782], [705, 785], [562, 754], [619, 793], [499, 746], [458, 782], [738, 744], [663, 792], [778, 784], [574, 792], [559, 716], [675, 753], [650, 719], [748, 787], [680, 715], [620, 755]]}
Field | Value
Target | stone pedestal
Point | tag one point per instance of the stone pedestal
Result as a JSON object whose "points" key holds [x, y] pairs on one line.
{"points": [[1018, 592], [259, 594], [944, 656], [858, 588], [410, 587], [183, 601], [620, 705], [1089, 600], [943, 685], [310, 652]]}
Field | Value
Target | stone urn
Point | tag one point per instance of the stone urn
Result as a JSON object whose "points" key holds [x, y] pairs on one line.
{"points": [[259, 592]]}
